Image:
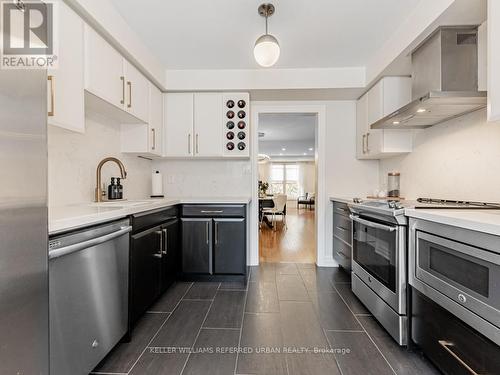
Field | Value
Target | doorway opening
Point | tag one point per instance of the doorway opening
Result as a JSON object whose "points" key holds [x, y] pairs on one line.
{"points": [[287, 187]]}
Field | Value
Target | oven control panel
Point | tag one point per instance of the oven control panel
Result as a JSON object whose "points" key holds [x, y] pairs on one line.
{"points": [[236, 124]]}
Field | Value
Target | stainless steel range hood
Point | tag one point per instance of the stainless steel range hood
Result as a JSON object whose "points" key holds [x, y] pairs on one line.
{"points": [[444, 81]]}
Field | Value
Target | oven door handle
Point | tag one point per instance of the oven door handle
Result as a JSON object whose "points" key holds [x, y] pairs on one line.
{"points": [[372, 224]]}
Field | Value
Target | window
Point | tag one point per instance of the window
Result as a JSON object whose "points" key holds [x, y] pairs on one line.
{"points": [[285, 179]]}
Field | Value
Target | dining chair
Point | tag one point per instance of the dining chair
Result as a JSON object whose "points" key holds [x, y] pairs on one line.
{"points": [[278, 209]]}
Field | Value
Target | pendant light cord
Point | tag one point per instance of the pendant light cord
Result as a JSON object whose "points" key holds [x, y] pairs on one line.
{"points": [[267, 16]]}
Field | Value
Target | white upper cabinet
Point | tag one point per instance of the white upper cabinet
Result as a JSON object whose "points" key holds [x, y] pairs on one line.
{"points": [[103, 69], [118, 89], [155, 120], [389, 94], [178, 125], [208, 124], [195, 126], [66, 106], [361, 126], [136, 92], [493, 60], [146, 139]]}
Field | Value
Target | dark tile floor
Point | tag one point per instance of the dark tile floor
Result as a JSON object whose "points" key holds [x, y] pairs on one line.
{"points": [[289, 319]]}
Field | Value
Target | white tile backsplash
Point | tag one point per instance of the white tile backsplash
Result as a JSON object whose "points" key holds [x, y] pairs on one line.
{"points": [[205, 178], [73, 159], [459, 159]]}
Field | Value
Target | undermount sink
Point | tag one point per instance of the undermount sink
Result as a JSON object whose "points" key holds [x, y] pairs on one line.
{"points": [[121, 203]]}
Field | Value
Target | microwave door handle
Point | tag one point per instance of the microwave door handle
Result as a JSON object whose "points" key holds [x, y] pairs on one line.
{"points": [[372, 224]]}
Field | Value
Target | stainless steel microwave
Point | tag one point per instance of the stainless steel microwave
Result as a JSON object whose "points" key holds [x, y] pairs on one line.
{"points": [[460, 270]]}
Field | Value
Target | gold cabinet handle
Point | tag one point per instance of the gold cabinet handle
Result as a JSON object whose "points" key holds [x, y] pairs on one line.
{"points": [[364, 139], [367, 143], [153, 147], [122, 78], [52, 95], [197, 148], [160, 250], [189, 143], [165, 239], [446, 345], [129, 84]]}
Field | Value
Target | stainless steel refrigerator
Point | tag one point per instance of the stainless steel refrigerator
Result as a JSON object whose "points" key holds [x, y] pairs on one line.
{"points": [[24, 311]]}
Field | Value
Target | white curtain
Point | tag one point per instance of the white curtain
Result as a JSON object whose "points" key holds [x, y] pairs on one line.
{"points": [[306, 176]]}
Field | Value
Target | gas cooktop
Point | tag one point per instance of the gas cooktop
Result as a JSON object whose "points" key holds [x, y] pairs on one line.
{"points": [[425, 203], [432, 203]]}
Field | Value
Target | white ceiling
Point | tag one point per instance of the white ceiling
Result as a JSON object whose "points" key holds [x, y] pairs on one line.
{"points": [[293, 132], [287, 126], [217, 34]]}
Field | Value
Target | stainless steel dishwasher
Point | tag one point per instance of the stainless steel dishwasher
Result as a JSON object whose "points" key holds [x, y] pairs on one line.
{"points": [[88, 295]]}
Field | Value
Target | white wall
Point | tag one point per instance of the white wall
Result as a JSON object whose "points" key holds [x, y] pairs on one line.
{"points": [[73, 158], [205, 178], [345, 175], [265, 171], [459, 159], [307, 177]]}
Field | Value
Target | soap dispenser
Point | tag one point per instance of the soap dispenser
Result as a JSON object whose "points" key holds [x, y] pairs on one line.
{"points": [[111, 186], [119, 189]]}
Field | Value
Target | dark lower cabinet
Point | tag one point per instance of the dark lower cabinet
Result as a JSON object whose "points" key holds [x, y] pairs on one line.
{"points": [[197, 245], [154, 249], [169, 254], [214, 241], [145, 270], [229, 239], [453, 346]]}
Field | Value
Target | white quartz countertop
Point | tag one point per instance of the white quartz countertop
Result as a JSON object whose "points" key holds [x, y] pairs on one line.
{"points": [[78, 216], [486, 221], [342, 199]]}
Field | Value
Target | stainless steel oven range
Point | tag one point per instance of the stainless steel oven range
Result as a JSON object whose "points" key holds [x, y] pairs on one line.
{"points": [[379, 263]]}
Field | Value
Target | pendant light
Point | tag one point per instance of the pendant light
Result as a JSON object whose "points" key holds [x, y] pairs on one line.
{"points": [[267, 48]]}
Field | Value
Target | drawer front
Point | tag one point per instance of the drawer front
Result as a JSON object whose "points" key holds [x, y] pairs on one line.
{"points": [[342, 228], [149, 219], [451, 344], [342, 253], [341, 208], [213, 210]]}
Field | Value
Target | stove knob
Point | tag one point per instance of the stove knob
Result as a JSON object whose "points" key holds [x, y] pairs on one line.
{"points": [[241, 103], [230, 104], [230, 146], [242, 125], [241, 114], [230, 114], [230, 125], [241, 146], [230, 135], [241, 135]]}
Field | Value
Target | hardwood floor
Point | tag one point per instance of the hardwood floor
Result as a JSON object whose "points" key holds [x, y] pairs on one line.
{"points": [[296, 244]]}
